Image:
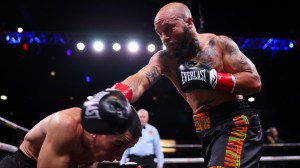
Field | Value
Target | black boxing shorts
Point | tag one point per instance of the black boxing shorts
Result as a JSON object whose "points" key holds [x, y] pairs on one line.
{"points": [[18, 160], [231, 135]]}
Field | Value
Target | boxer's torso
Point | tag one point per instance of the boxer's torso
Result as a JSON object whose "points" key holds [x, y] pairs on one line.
{"points": [[34, 139], [210, 55]]}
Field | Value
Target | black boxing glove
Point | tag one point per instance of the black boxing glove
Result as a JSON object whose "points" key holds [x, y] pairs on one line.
{"points": [[192, 77], [130, 165], [107, 112]]}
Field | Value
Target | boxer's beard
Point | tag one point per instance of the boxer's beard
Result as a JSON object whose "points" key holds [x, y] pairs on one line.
{"points": [[188, 45]]}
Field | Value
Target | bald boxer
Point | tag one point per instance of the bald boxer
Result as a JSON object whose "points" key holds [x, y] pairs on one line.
{"points": [[212, 75], [101, 130]]}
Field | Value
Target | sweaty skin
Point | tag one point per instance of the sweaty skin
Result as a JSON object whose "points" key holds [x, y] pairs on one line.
{"points": [[60, 141], [174, 25]]}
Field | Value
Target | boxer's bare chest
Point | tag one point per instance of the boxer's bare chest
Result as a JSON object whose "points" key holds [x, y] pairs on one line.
{"points": [[209, 55]]}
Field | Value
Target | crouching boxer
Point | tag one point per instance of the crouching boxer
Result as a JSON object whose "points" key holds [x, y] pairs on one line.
{"points": [[101, 130]]}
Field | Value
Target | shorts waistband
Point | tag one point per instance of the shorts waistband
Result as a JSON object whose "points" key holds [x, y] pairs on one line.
{"points": [[228, 110], [25, 157], [220, 114], [146, 156]]}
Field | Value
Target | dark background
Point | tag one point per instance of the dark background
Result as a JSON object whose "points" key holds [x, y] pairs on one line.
{"points": [[33, 93]]}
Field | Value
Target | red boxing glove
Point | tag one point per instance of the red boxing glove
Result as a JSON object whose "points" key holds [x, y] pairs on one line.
{"points": [[225, 81], [125, 89]]}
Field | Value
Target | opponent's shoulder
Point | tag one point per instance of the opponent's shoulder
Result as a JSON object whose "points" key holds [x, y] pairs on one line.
{"points": [[66, 121], [64, 129]]}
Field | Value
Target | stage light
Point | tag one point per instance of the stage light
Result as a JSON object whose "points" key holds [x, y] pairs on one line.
{"points": [[116, 47], [98, 46], [25, 47], [3, 97], [14, 39], [68, 52], [52, 73], [291, 45], [151, 48], [133, 46], [37, 40], [20, 30], [80, 46], [251, 99], [87, 79]]}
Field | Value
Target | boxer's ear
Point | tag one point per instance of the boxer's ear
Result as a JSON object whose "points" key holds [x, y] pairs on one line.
{"points": [[189, 21]]}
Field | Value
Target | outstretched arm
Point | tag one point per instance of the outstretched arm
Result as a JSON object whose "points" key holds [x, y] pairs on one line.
{"points": [[247, 79], [143, 79]]}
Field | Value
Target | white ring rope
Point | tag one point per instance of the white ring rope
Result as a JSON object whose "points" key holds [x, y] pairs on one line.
{"points": [[7, 147], [262, 159], [282, 145], [265, 145], [13, 125], [279, 158], [201, 160]]}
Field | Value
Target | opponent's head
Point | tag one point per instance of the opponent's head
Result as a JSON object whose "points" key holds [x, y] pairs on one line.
{"points": [[112, 146], [116, 144], [175, 26], [108, 112], [111, 124]]}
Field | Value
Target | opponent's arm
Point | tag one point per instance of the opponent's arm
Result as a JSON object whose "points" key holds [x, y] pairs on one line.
{"points": [[135, 85], [55, 151], [247, 79]]}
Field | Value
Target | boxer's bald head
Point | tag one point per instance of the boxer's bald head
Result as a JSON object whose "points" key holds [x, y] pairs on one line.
{"points": [[175, 27], [173, 10]]}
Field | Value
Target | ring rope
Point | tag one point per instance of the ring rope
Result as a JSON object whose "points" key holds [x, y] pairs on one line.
{"points": [[8, 147], [201, 160], [265, 145], [13, 125], [262, 159]]}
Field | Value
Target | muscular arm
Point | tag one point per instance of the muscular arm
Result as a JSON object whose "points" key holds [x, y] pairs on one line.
{"points": [[235, 62], [145, 77], [55, 151]]}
